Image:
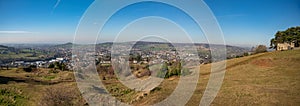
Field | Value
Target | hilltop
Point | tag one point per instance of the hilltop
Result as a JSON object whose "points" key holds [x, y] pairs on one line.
{"points": [[270, 78], [66, 45]]}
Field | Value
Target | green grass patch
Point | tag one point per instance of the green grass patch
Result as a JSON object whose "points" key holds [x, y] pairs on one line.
{"points": [[50, 77], [12, 96]]}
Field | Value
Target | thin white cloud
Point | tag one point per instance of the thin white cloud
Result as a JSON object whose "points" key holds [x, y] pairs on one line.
{"points": [[34, 38], [16, 32], [56, 4]]}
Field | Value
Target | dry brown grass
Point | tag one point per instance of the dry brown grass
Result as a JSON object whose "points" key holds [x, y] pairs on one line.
{"points": [[262, 79], [62, 95], [37, 86]]}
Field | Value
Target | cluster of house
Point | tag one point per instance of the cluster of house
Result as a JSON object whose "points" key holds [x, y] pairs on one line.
{"points": [[103, 56], [145, 57], [38, 64]]}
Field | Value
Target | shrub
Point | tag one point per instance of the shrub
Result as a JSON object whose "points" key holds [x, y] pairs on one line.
{"points": [[162, 73], [260, 49], [174, 70], [62, 96], [11, 96], [30, 69], [27, 69], [53, 71]]}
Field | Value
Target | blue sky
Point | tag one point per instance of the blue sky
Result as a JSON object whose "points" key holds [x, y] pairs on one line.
{"points": [[243, 22]]}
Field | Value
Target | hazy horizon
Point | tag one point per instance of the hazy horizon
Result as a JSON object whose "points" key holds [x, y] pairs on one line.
{"points": [[60, 43], [52, 21]]}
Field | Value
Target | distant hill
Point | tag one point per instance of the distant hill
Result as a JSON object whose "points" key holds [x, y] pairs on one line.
{"points": [[3, 47], [66, 45], [232, 51], [28, 45], [10, 54], [149, 43], [146, 43], [6, 49]]}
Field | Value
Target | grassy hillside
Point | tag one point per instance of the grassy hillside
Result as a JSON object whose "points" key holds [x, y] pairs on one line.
{"points": [[264, 79], [20, 88]]}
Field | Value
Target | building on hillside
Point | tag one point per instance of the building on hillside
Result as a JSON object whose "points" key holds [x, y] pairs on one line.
{"points": [[285, 46], [18, 63]]}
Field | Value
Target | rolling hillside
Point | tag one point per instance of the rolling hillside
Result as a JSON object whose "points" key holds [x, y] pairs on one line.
{"points": [[263, 79]]}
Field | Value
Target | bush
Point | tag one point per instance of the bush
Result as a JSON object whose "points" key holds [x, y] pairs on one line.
{"points": [[62, 96], [174, 70], [246, 54], [162, 73], [53, 71], [260, 49], [51, 66], [12, 97], [30, 69], [57, 65], [27, 69]]}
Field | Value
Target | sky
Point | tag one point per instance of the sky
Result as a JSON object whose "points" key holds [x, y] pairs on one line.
{"points": [[243, 22]]}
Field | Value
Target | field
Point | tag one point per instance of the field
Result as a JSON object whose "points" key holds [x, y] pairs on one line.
{"points": [[263, 79], [18, 87], [9, 54]]}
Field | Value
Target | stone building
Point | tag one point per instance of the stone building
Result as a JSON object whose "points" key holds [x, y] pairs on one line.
{"points": [[285, 46]]}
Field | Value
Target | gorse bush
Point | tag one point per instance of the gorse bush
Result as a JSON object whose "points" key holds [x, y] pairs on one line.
{"points": [[175, 69], [57, 65]]}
